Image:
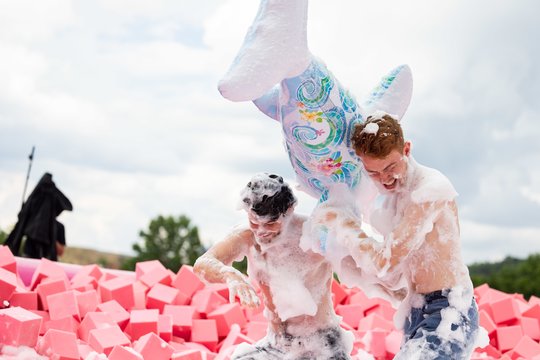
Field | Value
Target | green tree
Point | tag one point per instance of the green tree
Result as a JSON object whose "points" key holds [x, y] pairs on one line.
{"points": [[172, 241], [3, 236], [510, 275]]}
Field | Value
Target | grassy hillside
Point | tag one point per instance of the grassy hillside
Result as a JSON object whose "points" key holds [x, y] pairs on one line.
{"points": [[82, 256]]}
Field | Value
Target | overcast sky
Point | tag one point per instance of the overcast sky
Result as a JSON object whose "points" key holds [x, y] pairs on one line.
{"points": [[119, 97]]}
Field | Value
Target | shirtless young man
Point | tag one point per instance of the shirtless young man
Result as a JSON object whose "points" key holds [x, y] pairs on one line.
{"points": [[419, 222], [295, 285]]}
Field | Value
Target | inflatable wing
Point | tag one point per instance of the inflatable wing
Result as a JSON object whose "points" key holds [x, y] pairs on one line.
{"points": [[318, 117]]}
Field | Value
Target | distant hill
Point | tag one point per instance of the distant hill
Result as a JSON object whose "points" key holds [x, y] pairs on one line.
{"points": [[511, 275], [82, 256]]}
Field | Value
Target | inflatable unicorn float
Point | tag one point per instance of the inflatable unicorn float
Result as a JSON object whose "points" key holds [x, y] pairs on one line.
{"points": [[275, 69]]}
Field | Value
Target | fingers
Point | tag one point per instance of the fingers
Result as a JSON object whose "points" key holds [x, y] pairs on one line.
{"points": [[248, 297], [245, 293], [232, 293]]}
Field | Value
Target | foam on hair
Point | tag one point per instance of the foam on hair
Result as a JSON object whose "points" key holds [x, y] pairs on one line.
{"points": [[267, 195]]}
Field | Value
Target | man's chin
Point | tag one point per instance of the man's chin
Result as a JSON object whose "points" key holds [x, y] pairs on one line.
{"points": [[265, 239]]}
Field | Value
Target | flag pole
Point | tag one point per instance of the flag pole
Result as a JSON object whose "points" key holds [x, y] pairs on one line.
{"points": [[30, 157]]}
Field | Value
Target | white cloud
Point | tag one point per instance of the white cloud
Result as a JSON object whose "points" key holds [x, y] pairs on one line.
{"points": [[120, 99]]}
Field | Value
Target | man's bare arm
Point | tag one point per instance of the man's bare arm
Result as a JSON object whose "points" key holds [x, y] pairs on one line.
{"points": [[417, 221], [215, 266]]}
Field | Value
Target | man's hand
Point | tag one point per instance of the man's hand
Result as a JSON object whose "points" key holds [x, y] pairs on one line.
{"points": [[59, 249], [239, 286]]}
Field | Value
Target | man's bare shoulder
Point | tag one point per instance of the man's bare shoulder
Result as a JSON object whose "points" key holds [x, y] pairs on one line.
{"points": [[241, 234], [430, 185]]}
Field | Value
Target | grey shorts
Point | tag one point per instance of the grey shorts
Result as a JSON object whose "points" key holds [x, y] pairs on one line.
{"points": [[325, 344], [439, 331]]}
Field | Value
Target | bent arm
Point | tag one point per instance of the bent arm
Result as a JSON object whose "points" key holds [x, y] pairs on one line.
{"points": [[215, 266], [417, 221]]}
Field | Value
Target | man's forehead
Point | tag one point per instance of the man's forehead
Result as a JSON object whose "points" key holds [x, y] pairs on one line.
{"points": [[261, 219], [373, 163]]}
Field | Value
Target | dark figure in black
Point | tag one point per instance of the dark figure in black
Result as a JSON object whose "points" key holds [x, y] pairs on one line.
{"points": [[44, 236]]}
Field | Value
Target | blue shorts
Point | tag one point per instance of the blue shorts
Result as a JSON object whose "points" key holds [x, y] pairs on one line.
{"points": [[439, 331]]}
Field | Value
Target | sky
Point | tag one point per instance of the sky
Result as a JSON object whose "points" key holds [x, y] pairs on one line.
{"points": [[120, 100]]}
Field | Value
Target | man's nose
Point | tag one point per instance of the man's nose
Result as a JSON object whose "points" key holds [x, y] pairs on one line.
{"points": [[386, 177]]}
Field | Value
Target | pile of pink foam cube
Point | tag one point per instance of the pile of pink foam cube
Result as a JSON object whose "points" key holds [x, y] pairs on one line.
{"points": [[154, 313]]}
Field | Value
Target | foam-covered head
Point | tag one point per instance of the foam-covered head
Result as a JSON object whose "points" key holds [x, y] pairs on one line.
{"points": [[378, 136], [267, 196], [384, 153]]}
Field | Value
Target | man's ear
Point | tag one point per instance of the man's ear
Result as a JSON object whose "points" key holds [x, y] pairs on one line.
{"points": [[407, 148], [290, 210]]}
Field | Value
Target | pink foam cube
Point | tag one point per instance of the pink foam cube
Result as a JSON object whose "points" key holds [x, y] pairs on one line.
{"points": [[531, 327], [489, 350], [152, 347], [57, 344], [143, 322], [533, 300], [94, 320], [157, 275], [7, 260], [205, 332], [45, 317], [187, 282], [393, 343], [508, 337], [351, 314], [207, 300], [357, 297], [84, 283], [8, 284], [371, 303], [63, 304], [165, 327], [225, 316], [527, 348], [84, 350], [103, 340], [182, 317], [377, 343], [124, 353], [487, 322], [256, 330], [119, 315], [19, 327], [221, 289], [143, 267], [373, 322], [384, 309], [139, 294], [47, 269], [505, 310], [119, 289], [68, 323], [50, 286], [189, 354], [491, 295], [87, 276], [533, 311], [234, 337], [251, 314], [480, 290], [24, 299], [87, 301], [161, 295], [340, 294]]}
